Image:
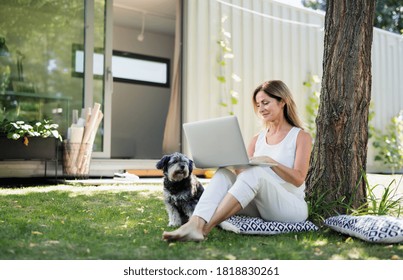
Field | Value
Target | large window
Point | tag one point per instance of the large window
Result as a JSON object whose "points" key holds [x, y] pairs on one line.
{"points": [[38, 38], [141, 69]]}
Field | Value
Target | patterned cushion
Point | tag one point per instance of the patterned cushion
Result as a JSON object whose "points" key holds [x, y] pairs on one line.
{"points": [[380, 229], [252, 225]]}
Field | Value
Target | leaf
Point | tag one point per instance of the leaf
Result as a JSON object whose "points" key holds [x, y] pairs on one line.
{"points": [[230, 257], [55, 133], [26, 141], [221, 43], [221, 79], [315, 79], [226, 34]]}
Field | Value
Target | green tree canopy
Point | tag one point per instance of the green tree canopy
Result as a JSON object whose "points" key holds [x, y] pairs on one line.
{"points": [[388, 13]]}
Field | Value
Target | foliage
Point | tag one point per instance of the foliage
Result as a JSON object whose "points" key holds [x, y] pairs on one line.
{"points": [[4, 77], [313, 85], [229, 97], [390, 144], [86, 224], [388, 204], [319, 207], [381, 200], [388, 13], [19, 129], [47, 62]]}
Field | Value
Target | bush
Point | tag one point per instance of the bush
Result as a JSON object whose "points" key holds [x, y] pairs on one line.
{"points": [[20, 130]]}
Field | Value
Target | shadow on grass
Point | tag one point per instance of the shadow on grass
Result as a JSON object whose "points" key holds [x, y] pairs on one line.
{"points": [[15, 183]]}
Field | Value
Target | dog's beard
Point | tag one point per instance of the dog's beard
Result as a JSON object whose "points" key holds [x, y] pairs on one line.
{"points": [[178, 172]]}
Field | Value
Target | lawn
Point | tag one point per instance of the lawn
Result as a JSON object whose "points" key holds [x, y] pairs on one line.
{"points": [[127, 225]]}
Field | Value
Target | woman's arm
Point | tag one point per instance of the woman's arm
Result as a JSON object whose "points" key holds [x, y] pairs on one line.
{"points": [[250, 150], [297, 175], [251, 147]]}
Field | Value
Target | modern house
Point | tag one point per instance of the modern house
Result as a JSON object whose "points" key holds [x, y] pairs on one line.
{"points": [[156, 64]]}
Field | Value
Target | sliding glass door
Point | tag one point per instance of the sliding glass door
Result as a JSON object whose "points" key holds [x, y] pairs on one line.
{"points": [[98, 82]]}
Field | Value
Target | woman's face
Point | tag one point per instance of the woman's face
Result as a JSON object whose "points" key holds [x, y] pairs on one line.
{"points": [[269, 108]]}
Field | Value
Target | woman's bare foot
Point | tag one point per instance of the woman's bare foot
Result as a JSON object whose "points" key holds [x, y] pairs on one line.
{"points": [[191, 231]]}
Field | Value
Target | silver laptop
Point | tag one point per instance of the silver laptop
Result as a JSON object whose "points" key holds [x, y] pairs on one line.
{"points": [[217, 143]]}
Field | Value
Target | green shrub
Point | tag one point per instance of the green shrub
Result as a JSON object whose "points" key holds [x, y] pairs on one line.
{"points": [[389, 145]]}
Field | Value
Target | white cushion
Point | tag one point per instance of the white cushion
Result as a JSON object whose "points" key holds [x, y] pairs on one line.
{"points": [[380, 229], [252, 225]]}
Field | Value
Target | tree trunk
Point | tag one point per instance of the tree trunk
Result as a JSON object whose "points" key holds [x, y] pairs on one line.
{"points": [[340, 150]]}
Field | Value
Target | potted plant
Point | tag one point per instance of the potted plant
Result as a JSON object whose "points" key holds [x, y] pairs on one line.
{"points": [[29, 140]]}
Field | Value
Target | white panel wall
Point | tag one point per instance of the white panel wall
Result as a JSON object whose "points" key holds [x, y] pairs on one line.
{"points": [[275, 41], [387, 76], [264, 49]]}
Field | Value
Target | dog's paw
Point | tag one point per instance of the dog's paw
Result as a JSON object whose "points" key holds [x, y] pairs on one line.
{"points": [[174, 224]]}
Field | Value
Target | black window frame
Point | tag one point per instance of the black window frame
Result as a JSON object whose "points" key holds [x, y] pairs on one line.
{"points": [[125, 54]]}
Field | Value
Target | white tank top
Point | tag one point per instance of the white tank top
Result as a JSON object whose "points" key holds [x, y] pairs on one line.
{"points": [[283, 152]]}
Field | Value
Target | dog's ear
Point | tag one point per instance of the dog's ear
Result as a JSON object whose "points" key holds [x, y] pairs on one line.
{"points": [[163, 161], [190, 166]]}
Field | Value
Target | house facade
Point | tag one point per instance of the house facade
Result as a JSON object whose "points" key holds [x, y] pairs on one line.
{"points": [[213, 53]]}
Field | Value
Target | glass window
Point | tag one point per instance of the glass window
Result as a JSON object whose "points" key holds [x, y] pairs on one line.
{"points": [[35, 78], [98, 84], [38, 36], [127, 67], [141, 69]]}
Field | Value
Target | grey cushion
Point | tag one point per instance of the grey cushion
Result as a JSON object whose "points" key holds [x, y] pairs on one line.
{"points": [[380, 229], [252, 225]]}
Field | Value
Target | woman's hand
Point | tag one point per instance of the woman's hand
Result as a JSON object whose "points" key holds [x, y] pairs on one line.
{"points": [[262, 159]]}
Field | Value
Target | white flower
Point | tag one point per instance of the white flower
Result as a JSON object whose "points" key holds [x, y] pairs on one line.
{"points": [[236, 78], [15, 136], [55, 133]]}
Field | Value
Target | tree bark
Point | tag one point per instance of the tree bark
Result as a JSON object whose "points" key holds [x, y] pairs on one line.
{"points": [[340, 150]]}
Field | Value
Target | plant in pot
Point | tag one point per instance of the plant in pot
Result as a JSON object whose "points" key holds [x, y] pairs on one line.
{"points": [[29, 140]]}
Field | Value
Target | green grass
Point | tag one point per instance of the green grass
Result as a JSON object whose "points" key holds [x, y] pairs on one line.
{"points": [[127, 225]]}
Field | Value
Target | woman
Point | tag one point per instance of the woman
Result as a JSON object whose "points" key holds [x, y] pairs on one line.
{"points": [[273, 193]]}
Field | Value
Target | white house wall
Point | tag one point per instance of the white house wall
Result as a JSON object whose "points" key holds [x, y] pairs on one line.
{"points": [[271, 40]]}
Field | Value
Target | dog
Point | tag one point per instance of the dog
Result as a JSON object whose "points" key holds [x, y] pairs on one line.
{"points": [[181, 189]]}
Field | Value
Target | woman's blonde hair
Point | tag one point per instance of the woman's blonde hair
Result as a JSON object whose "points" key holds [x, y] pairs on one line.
{"points": [[278, 90]]}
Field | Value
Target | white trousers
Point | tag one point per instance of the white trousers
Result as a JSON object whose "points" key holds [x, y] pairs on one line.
{"points": [[259, 192]]}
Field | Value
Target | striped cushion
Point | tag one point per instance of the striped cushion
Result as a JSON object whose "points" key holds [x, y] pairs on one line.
{"points": [[253, 225], [378, 229]]}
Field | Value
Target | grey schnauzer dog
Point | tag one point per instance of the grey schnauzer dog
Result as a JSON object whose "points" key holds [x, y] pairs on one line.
{"points": [[181, 188]]}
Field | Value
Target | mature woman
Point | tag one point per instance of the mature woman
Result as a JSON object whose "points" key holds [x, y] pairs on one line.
{"points": [[273, 193]]}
